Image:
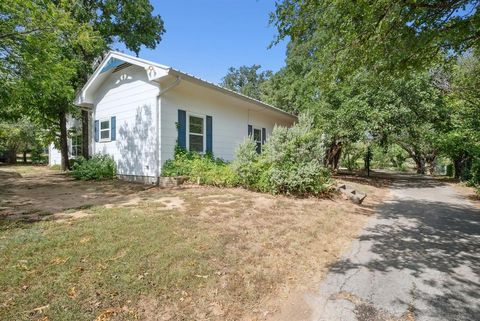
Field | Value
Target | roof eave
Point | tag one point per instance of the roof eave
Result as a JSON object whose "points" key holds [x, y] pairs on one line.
{"points": [[235, 94]]}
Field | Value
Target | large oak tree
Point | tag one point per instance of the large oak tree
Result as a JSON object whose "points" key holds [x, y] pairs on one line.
{"points": [[48, 49]]}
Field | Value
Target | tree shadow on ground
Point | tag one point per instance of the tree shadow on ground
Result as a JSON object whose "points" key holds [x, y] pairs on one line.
{"points": [[51, 196], [436, 242], [8, 174], [380, 178]]}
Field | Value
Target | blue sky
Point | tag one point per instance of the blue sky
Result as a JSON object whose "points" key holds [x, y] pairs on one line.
{"points": [[206, 37]]}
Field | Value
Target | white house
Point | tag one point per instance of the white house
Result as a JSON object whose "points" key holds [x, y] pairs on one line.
{"points": [[140, 110]]}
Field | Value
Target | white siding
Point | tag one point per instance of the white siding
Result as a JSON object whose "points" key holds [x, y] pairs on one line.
{"points": [[131, 98], [54, 155], [230, 118]]}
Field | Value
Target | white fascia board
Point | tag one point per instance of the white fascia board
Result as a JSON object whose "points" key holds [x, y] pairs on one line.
{"points": [[154, 71]]}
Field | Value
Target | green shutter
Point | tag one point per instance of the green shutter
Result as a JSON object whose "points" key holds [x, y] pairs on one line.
{"points": [[113, 128], [97, 131], [209, 135], [182, 129]]}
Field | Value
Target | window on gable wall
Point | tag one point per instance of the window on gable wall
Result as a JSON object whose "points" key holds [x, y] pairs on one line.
{"points": [[105, 130], [196, 134], [77, 145]]}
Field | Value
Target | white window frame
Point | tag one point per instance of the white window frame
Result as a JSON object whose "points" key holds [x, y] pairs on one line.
{"points": [[261, 137], [78, 139], [100, 121], [204, 134]]}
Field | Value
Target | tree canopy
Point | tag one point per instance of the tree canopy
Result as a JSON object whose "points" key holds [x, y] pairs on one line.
{"points": [[48, 49], [246, 80], [400, 73], [343, 35]]}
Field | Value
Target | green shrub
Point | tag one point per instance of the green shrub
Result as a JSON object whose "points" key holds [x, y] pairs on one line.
{"points": [[96, 168], [38, 156], [180, 165], [474, 174], [352, 153], [291, 162], [449, 172], [245, 164], [295, 157], [204, 169]]}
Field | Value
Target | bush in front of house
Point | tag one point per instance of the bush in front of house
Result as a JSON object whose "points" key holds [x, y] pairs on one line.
{"points": [[96, 168], [247, 165], [291, 162], [203, 169]]}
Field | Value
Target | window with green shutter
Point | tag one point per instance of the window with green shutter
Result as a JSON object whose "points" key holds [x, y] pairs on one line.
{"points": [[196, 132]]}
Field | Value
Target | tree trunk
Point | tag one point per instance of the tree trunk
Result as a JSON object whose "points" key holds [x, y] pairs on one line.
{"points": [[420, 164], [432, 163], [336, 158], [25, 157], [12, 156], [85, 135], [65, 164], [332, 158]]}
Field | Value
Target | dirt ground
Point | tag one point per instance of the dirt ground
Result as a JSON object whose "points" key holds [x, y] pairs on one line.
{"points": [[33, 193], [466, 192], [268, 249]]}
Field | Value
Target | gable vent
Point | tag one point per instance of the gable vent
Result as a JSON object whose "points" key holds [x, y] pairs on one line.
{"points": [[122, 66]]}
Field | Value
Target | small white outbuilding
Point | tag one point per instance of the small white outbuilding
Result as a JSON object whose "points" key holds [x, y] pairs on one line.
{"points": [[140, 110]]}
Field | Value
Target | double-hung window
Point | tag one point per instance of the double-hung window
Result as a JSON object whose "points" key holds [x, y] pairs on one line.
{"points": [[257, 138], [77, 145], [105, 130], [196, 134]]}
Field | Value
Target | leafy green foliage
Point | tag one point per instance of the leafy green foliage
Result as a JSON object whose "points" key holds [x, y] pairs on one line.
{"points": [[460, 140], [295, 156], [246, 80], [246, 164], [291, 162], [21, 136], [96, 168], [397, 157], [49, 48], [352, 154], [474, 179], [38, 155], [374, 68], [345, 35], [203, 169]]}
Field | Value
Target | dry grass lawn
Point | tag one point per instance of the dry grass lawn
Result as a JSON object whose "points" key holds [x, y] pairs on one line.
{"points": [[117, 251]]}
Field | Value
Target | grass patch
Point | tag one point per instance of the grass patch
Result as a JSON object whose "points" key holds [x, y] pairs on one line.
{"points": [[107, 262], [189, 254], [25, 169]]}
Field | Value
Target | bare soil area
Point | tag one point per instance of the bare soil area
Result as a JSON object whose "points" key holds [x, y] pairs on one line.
{"points": [[33, 193]]}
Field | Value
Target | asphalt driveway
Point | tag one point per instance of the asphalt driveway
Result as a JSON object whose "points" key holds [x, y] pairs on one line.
{"points": [[418, 259]]}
